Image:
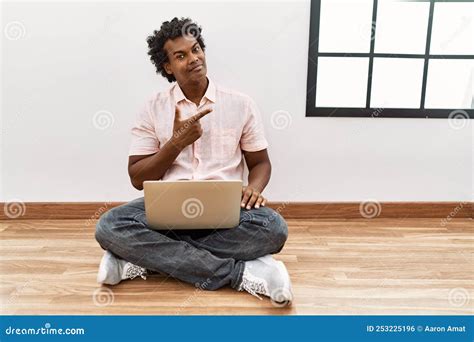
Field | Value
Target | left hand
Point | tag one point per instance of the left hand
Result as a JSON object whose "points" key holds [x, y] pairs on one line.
{"points": [[251, 197]]}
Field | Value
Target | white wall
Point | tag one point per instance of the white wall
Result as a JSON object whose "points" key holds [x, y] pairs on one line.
{"points": [[75, 59]]}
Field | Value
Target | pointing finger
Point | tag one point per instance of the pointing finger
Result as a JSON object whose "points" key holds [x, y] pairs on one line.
{"points": [[201, 114], [177, 114]]}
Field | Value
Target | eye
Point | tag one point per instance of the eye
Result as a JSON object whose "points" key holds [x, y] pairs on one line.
{"points": [[180, 56], [196, 48]]}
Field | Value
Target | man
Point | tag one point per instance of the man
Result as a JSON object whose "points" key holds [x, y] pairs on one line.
{"points": [[196, 130]]}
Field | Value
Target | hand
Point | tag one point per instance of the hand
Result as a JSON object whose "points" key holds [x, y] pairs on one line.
{"points": [[250, 197], [185, 132]]}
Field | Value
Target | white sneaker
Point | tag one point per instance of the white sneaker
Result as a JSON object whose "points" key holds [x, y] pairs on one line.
{"points": [[268, 277], [113, 270]]}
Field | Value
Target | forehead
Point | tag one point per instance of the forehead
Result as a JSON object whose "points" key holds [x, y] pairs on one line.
{"points": [[180, 44]]}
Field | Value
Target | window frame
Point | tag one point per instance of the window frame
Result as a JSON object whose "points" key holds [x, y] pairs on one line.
{"points": [[313, 54]]}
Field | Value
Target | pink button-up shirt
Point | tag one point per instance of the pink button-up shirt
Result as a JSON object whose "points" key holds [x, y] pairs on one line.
{"points": [[235, 124]]}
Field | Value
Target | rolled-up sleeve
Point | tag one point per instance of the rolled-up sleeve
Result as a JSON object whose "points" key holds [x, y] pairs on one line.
{"points": [[144, 140], [253, 135]]}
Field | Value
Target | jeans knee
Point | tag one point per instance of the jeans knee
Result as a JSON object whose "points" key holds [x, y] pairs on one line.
{"points": [[102, 229], [281, 231], [278, 228]]}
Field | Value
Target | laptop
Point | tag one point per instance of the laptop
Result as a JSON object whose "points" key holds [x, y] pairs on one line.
{"points": [[185, 204]]}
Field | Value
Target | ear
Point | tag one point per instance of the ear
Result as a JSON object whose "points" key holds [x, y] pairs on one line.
{"points": [[167, 67]]}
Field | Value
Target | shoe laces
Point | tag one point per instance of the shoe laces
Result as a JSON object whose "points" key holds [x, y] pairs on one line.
{"points": [[134, 271], [253, 285]]}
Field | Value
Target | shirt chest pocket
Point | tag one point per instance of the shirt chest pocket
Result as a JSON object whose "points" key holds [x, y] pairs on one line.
{"points": [[224, 145]]}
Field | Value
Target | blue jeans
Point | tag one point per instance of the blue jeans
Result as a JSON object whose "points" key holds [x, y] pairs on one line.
{"points": [[207, 258]]}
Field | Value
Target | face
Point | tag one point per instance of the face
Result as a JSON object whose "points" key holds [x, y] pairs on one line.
{"points": [[186, 60]]}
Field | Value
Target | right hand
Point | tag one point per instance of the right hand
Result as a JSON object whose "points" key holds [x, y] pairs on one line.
{"points": [[185, 132]]}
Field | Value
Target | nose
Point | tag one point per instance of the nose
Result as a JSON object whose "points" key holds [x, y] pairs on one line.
{"points": [[194, 59]]}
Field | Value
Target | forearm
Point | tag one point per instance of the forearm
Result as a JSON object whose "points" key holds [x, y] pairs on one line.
{"points": [[259, 176], [155, 166]]}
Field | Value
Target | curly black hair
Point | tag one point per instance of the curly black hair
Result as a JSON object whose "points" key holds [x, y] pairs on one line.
{"points": [[170, 30]]}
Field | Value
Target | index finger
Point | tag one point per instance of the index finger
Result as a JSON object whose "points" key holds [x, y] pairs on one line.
{"points": [[202, 113], [177, 114], [245, 196]]}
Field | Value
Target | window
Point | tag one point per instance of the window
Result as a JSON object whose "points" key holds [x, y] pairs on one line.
{"points": [[386, 58]]}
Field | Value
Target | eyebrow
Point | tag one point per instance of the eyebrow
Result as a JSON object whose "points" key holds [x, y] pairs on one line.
{"points": [[174, 53]]}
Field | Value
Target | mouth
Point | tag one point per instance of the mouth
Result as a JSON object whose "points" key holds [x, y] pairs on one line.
{"points": [[196, 68]]}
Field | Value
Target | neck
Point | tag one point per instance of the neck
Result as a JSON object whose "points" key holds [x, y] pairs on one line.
{"points": [[194, 91]]}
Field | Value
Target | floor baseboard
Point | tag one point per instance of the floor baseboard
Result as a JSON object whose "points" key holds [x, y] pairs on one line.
{"points": [[289, 210]]}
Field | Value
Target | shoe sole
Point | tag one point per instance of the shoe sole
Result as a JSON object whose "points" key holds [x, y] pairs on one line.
{"points": [[282, 269]]}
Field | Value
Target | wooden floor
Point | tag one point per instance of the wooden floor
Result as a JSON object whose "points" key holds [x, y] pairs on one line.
{"points": [[378, 266]]}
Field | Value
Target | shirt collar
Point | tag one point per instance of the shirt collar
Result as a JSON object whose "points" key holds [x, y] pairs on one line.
{"points": [[210, 92]]}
